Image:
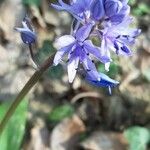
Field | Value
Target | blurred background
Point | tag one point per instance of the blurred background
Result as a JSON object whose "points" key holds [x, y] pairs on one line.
{"points": [[58, 116]]}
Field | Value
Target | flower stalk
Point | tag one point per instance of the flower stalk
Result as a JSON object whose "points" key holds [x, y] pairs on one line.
{"points": [[26, 89]]}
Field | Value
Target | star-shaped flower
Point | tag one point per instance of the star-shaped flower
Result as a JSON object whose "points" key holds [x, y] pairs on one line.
{"points": [[118, 38], [79, 49]]}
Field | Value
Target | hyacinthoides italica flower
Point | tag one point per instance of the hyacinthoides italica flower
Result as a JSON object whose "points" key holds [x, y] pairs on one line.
{"points": [[79, 50], [107, 20]]}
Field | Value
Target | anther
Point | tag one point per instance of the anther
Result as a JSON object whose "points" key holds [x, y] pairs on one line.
{"points": [[71, 53], [118, 37], [88, 70]]}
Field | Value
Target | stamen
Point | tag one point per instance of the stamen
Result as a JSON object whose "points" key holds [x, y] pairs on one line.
{"points": [[125, 49], [126, 36], [109, 89], [88, 70], [118, 37], [71, 53], [116, 47]]}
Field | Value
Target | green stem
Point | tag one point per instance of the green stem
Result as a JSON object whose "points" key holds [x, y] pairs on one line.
{"points": [[32, 81]]}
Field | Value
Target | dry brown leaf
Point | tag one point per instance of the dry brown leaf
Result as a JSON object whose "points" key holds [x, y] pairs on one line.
{"points": [[105, 141], [39, 137], [145, 64], [65, 135], [36, 13], [8, 19], [128, 79]]}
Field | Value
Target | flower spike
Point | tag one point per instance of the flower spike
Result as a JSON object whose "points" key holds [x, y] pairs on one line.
{"points": [[106, 20]]}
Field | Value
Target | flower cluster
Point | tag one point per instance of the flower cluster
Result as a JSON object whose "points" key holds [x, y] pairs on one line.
{"points": [[107, 20]]}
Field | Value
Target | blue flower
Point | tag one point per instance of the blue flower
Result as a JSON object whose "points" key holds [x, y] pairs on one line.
{"points": [[104, 81], [97, 10], [79, 50], [112, 7], [27, 34], [106, 19], [116, 10], [83, 10], [117, 38], [80, 9]]}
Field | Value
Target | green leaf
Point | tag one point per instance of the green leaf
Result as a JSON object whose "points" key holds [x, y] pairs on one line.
{"points": [[12, 135], [113, 70], [138, 137], [141, 10], [132, 2], [144, 8], [32, 2], [55, 72], [61, 112], [45, 51]]}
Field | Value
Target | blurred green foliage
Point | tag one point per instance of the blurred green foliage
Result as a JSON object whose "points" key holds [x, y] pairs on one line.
{"points": [[61, 112], [13, 133], [44, 52], [138, 137], [31, 2], [113, 70], [55, 72], [35, 2], [139, 9], [132, 2]]}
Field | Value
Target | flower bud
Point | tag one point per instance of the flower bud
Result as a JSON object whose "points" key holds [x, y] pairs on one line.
{"points": [[27, 35], [97, 10], [112, 7]]}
